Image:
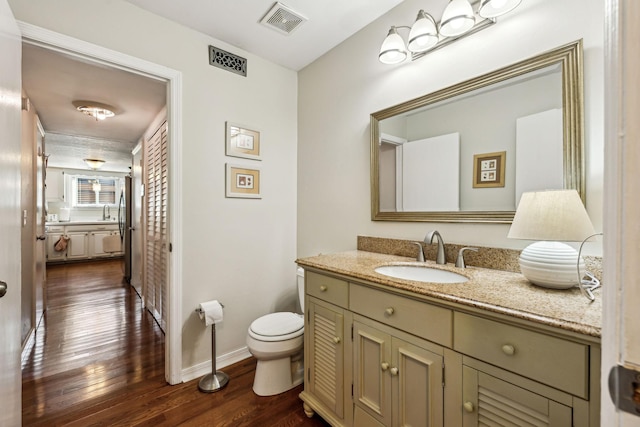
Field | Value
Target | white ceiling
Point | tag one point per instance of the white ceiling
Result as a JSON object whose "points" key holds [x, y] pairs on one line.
{"points": [[53, 80], [237, 22]]}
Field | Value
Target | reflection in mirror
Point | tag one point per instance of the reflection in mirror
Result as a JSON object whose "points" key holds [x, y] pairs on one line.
{"points": [[466, 153]]}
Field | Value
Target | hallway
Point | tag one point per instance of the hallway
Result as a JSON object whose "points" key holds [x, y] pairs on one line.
{"points": [[98, 359]]}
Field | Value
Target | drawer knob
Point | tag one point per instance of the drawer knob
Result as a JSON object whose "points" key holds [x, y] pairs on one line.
{"points": [[323, 288], [468, 406], [508, 349], [394, 371], [336, 340], [389, 311], [384, 366]]}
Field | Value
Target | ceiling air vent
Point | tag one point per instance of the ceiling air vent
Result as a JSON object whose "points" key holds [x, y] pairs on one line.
{"points": [[282, 19]]}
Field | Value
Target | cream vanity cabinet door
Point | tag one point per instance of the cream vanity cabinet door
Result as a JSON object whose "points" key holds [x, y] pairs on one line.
{"points": [[397, 379], [489, 401], [326, 358], [78, 246], [327, 387]]}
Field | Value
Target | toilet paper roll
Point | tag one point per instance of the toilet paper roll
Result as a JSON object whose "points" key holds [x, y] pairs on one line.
{"points": [[210, 312]]}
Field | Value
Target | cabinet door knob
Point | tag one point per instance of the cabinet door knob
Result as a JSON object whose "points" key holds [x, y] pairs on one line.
{"points": [[323, 288], [389, 311], [508, 349], [468, 406], [384, 366], [394, 371], [336, 340]]}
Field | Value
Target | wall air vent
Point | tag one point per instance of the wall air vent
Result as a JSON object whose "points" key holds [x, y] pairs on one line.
{"points": [[227, 61], [282, 19]]}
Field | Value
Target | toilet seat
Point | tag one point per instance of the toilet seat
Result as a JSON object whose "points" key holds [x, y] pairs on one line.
{"points": [[277, 327]]}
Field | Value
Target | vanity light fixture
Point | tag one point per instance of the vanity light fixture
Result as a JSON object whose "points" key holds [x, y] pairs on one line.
{"points": [[551, 217], [96, 110], [94, 164], [458, 20]]}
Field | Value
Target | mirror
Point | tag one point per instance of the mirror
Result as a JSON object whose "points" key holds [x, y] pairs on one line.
{"points": [[467, 152]]}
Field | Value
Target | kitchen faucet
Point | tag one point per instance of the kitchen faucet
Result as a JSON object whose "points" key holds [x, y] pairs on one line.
{"points": [[106, 212], [440, 255]]}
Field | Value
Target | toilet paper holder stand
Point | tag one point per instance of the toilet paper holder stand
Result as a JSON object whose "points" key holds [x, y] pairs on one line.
{"points": [[216, 380]]}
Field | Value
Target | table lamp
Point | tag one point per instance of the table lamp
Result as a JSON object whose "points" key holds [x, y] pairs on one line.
{"points": [[551, 217]]}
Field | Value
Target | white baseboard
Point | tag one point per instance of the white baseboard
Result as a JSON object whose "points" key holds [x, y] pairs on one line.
{"points": [[204, 368]]}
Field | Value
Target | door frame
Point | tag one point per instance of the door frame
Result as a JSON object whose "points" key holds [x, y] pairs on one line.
{"points": [[79, 48]]}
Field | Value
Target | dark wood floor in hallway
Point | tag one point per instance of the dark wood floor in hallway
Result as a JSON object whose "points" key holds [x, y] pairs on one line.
{"points": [[98, 360]]}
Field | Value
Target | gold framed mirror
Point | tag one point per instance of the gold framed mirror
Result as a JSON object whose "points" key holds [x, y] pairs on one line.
{"points": [[437, 158]]}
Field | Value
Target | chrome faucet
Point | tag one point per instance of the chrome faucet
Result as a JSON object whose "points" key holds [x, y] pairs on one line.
{"points": [[460, 260], [106, 212], [440, 255]]}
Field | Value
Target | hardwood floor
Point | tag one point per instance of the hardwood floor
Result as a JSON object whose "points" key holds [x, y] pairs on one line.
{"points": [[99, 360]]}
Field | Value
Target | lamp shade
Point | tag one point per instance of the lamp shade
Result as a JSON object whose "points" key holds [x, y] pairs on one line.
{"points": [[423, 34], [495, 8], [550, 217], [393, 50], [553, 215], [457, 18]]}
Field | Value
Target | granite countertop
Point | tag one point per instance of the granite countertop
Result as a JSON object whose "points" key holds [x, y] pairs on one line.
{"points": [[492, 290]]}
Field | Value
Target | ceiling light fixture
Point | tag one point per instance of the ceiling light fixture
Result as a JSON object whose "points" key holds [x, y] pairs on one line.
{"points": [[458, 20], [94, 164], [96, 110]]}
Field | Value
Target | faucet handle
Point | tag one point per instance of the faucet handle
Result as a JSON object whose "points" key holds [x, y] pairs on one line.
{"points": [[420, 256], [460, 260]]}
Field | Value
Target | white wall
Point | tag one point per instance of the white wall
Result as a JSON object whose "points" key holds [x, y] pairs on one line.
{"points": [[338, 92], [239, 251]]}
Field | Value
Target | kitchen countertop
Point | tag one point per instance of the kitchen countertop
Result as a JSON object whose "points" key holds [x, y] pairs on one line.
{"points": [[492, 290], [82, 222]]}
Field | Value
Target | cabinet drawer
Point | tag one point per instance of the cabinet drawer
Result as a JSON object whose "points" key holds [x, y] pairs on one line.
{"points": [[416, 317], [327, 288], [554, 361]]}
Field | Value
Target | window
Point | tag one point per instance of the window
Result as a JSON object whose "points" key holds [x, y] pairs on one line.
{"points": [[92, 191]]}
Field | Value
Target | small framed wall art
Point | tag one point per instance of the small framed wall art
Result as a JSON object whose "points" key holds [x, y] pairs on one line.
{"points": [[488, 169], [242, 141], [243, 181]]}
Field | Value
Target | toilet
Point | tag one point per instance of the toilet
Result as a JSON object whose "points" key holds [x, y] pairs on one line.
{"points": [[276, 341]]}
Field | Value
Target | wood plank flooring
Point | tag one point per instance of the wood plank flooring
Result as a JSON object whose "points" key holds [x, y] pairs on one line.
{"points": [[98, 360]]}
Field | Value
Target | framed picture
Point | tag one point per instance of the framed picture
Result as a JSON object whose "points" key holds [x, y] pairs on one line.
{"points": [[488, 169], [242, 141], [243, 181]]}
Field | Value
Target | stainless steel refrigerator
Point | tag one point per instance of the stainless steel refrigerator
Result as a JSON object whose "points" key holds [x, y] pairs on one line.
{"points": [[124, 222]]}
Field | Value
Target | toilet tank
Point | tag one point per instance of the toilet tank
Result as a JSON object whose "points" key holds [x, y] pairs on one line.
{"points": [[300, 277]]}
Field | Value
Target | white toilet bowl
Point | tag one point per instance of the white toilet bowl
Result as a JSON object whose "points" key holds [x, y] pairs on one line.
{"points": [[276, 341]]}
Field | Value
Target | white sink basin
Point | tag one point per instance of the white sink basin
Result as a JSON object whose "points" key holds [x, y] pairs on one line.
{"points": [[421, 274]]}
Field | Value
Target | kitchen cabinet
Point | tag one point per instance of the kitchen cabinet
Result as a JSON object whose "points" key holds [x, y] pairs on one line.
{"points": [[53, 234], [85, 241], [54, 190], [382, 356], [78, 246]]}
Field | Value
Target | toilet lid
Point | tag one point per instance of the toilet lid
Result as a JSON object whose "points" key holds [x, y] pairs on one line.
{"points": [[278, 325]]}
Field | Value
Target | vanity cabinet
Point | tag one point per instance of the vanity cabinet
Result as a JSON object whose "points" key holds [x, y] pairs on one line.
{"points": [[397, 378], [327, 389], [379, 356]]}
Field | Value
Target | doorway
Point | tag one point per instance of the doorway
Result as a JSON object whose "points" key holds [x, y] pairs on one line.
{"points": [[107, 58]]}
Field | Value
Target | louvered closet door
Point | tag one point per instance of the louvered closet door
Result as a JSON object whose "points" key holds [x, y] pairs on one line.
{"points": [[491, 402], [156, 195]]}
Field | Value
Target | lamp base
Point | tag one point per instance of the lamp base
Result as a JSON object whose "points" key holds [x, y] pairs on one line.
{"points": [[551, 265]]}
